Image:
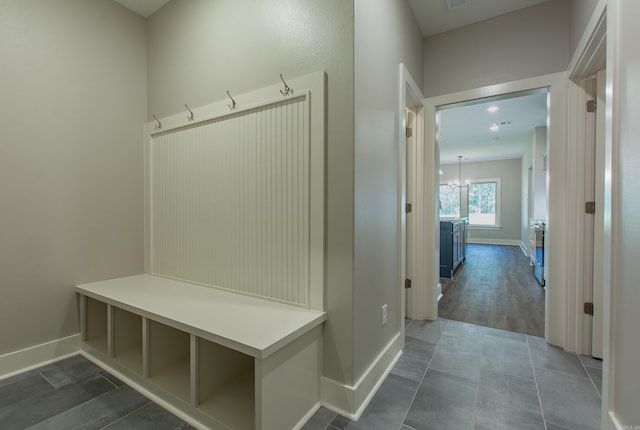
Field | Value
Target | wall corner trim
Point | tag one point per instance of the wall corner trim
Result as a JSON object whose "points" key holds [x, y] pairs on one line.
{"points": [[523, 247], [29, 358], [350, 401]]}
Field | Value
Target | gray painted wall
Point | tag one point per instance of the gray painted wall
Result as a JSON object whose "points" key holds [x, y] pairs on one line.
{"points": [[522, 44], [386, 35], [509, 172], [72, 101], [200, 48], [581, 11]]}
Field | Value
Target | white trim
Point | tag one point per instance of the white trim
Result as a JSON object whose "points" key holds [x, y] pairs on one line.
{"points": [[351, 400], [485, 241], [524, 249], [591, 49], [414, 307], [32, 357], [142, 390], [614, 423], [313, 87], [307, 417], [557, 301]]}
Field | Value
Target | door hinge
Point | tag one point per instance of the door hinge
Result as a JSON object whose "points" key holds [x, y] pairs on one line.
{"points": [[409, 132], [592, 105], [590, 208], [407, 208], [588, 308], [407, 283]]}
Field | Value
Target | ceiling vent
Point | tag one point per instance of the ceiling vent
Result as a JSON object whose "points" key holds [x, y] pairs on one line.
{"points": [[455, 4]]}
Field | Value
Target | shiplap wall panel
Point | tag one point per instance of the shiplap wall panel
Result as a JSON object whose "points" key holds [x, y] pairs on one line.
{"points": [[229, 202]]}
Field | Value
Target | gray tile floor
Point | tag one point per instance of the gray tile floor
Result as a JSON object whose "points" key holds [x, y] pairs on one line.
{"points": [[76, 394], [454, 375]]}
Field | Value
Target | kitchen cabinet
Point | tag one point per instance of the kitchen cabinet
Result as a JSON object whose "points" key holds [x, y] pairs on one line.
{"points": [[452, 246]]}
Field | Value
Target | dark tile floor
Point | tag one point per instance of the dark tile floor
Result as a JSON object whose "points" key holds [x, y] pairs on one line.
{"points": [[454, 375], [76, 394], [495, 287]]}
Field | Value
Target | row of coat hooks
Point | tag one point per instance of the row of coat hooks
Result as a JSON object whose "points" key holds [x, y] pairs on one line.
{"points": [[233, 106]]}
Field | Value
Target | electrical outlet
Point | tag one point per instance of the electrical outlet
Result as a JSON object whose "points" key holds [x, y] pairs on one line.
{"points": [[384, 314]]}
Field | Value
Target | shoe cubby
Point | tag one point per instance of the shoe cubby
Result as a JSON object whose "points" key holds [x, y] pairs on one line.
{"points": [[96, 333], [226, 385], [127, 339], [219, 359], [169, 359]]}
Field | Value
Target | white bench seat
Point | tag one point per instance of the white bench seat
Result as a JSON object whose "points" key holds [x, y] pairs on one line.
{"points": [[251, 325]]}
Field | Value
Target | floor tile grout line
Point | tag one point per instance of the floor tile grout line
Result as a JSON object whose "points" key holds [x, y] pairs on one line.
{"points": [[123, 417], [47, 381], [589, 376], [535, 380], [475, 403], [108, 380], [572, 375], [425, 372]]}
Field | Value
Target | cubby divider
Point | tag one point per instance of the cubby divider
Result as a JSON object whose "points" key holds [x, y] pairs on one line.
{"points": [[127, 339], [96, 325]]}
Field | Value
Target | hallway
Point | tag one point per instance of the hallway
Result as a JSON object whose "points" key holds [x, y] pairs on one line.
{"points": [[495, 287], [451, 375], [454, 375]]}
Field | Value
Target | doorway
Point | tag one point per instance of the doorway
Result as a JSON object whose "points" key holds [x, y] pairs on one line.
{"points": [[558, 328], [492, 192]]}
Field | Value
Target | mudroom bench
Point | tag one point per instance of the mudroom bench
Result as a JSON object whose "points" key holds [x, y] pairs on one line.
{"points": [[220, 359]]}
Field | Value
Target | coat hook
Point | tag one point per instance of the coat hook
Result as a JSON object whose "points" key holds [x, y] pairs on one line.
{"points": [[159, 126], [287, 90], [190, 116], [233, 106]]}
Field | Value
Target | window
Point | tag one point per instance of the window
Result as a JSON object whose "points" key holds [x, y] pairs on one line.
{"points": [[449, 201], [482, 203], [479, 202]]}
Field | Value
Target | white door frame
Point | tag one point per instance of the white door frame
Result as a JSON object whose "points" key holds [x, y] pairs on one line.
{"points": [[559, 327], [409, 94]]}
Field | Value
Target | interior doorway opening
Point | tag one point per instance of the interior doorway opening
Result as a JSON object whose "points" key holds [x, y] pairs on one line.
{"points": [[493, 210]]}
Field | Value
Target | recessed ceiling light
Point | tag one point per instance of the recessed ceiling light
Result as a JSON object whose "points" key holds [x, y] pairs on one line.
{"points": [[494, 127], [493, 109]]}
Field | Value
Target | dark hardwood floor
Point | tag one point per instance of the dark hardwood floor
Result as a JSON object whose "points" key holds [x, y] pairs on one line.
{"points": [[495, 287]]}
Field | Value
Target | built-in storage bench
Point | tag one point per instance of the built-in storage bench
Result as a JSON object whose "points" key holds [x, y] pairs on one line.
{"points": [[225, 360]]}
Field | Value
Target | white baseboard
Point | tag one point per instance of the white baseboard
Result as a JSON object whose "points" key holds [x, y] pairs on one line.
{"points": [[523, 247], [351, 400], [483, 241], [20, 361], [133, 383], [307, 417]]}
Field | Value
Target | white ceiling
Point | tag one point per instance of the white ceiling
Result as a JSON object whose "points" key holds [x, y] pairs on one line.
{"points": [[143, 7], [464, 130], [438, 16], [434, 16]]}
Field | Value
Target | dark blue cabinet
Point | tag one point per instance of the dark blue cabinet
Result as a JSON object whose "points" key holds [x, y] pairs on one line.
{"points": [[452, 246]]}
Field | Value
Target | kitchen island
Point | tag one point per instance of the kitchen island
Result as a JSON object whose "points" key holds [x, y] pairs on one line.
{"points": [[452, 245]]}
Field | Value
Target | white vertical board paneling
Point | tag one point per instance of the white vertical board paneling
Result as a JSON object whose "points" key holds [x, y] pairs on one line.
{"points": [[229, 201]]}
